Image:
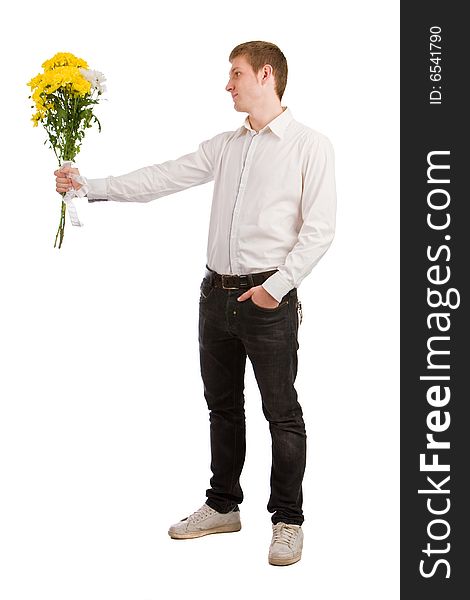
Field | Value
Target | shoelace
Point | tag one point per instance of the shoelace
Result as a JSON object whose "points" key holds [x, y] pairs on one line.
{"points": [[200, 514], [284, 533]]}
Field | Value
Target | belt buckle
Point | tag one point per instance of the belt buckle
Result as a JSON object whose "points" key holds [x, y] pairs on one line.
{"points": [[226, 287]]}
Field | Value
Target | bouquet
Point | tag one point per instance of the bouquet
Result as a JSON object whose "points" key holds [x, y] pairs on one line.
{"points": [[64, 95]]}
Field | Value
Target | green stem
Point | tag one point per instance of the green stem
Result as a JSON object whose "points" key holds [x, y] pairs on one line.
{"points": [[53, 147], [61, 228]]}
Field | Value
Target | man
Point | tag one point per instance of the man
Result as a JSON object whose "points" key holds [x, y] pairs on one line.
{"points": [[272, 219]]}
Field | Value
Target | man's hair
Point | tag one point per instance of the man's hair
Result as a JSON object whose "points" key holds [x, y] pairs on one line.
{"points": [[259, 54]]}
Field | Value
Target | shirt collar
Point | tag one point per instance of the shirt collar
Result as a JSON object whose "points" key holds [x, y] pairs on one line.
{"points": [[278, 125]]}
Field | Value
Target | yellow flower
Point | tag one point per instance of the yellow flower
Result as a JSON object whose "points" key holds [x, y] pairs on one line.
{"points": [[36, 118], [64, 59], [35, 81], [38, 99], [67, 77], [81, 86]]}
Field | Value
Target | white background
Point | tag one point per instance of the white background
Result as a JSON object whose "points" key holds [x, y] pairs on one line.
{"points": [[104, 431]]}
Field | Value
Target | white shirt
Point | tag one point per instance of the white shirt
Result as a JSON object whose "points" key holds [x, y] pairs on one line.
{"points": [[274, 198]]}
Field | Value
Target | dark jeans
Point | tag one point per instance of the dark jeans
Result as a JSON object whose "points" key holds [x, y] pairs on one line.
{"points": [[229, 331]]}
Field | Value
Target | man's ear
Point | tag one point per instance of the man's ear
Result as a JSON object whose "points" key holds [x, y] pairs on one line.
{"points": [[267, 71]]}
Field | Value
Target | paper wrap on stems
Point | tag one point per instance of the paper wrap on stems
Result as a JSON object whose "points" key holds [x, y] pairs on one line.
{"points": [[73, 193]]}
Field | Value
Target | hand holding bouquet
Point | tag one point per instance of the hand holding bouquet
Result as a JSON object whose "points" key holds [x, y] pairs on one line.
{"points": [[64, 95]]}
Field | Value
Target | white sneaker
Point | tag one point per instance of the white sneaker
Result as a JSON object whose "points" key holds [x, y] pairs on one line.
{"points": [[204, 521], [286, 545]]}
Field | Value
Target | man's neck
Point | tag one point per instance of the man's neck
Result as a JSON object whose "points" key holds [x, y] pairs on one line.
{"points": [[260, 118]]}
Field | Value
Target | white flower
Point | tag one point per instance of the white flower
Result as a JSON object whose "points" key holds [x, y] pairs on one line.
{"points": [[96, 78]]}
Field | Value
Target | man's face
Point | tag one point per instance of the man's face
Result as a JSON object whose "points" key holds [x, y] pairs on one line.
{"points": [[244, 85]]}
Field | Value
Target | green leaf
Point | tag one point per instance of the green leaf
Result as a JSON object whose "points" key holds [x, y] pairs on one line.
{"points": [[99, 124]]}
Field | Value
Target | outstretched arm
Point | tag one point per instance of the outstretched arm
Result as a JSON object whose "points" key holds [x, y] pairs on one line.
{"points": [[148, 183]]}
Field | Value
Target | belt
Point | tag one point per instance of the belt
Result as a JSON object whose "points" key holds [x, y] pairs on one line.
{"points": [[236, 282]]}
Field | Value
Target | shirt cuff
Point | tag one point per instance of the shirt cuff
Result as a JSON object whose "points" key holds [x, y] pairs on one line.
{"points": [[97, 190], [277, 286]]}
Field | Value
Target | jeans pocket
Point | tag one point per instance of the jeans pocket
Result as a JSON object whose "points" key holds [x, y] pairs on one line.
{"points": [[205, 289], [284, 302]]}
